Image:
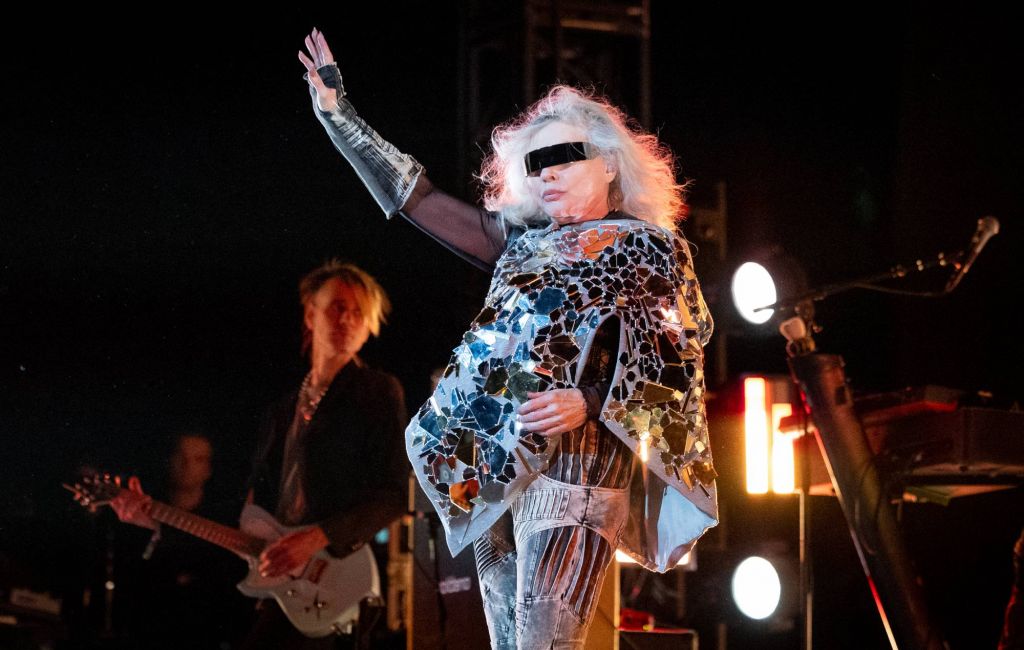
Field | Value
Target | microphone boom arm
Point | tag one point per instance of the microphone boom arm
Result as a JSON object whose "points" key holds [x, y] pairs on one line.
{"points": [[962, 261]]}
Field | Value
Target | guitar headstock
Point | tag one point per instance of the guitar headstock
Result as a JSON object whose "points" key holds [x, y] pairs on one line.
{"points": [[94, 491]]}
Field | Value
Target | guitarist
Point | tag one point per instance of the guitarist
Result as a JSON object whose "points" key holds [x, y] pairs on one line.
{"points": [[180, 592], [330, 456]]}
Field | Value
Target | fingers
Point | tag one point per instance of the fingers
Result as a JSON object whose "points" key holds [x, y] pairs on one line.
{"points": [[317, 46], [291, 552], [570, 399], [551, 425], [313, 51], [537, 401], [307, 63], [548, 427], [322, 90], [276, 559], [143, 500], [553, 412], [543, 399], [135, 485], [536, 410], [314, 39], [319, 55], [132, 506], [325, 51]]}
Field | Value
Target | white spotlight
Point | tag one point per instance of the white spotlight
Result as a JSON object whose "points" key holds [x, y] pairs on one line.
{"points": [[756, 588], [753, 287]]}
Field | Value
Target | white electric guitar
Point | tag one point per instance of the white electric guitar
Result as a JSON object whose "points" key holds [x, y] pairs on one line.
{"points": [[323, 599]]}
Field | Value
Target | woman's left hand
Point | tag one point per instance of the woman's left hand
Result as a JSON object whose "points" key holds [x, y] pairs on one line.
{"points": [[553, 412]]}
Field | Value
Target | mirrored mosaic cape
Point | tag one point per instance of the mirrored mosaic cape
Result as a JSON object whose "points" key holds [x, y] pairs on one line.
{"points": [[552, 289]]}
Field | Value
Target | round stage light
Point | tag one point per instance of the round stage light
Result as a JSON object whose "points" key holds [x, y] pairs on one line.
{"points": [[756, 588], [753, 287]]}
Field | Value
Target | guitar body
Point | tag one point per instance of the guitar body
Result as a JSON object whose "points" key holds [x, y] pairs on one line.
{"points": [[324, 598]]}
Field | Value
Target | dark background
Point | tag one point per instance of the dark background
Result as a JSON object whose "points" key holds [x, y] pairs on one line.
{"points": [[164, 185]]}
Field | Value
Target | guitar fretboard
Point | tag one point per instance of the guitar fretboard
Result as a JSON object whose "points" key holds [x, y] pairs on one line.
{"points": [[211, 531]]}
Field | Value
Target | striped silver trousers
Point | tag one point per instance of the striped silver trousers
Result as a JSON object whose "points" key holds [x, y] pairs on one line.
{"points": [[541, 566]]}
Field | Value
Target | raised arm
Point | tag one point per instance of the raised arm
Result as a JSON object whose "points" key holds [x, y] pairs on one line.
{"points": [[395, 180]]}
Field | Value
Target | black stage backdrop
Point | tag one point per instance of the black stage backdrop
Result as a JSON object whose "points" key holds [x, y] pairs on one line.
{"points": [[164, 185]]}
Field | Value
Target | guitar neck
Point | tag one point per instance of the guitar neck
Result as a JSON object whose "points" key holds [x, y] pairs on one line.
{"points": [[219, 534]]}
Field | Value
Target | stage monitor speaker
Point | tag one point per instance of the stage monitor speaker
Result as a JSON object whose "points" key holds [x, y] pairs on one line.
{"points": [[447, 611]]}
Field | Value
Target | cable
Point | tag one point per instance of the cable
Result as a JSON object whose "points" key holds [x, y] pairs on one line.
{"points": [[902, 292]]}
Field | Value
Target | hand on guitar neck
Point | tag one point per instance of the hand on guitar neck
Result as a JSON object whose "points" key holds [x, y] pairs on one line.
{"points": [[132, 505]]}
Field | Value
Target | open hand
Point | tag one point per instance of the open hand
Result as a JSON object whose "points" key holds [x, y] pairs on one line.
{"points": [[319, 55]]}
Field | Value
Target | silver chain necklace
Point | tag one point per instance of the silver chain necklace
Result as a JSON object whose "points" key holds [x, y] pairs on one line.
{"points": [[309, 399]]}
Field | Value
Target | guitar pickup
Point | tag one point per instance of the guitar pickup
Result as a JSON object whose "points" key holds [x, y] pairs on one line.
{"points": [[316, 570]]}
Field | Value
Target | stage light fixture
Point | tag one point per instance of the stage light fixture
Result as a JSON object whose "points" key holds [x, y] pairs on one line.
{"points": [[769, 456], [763, 279], [756, 588], [753, 287]]}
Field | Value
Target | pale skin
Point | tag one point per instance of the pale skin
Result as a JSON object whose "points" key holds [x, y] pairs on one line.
{"points": [[319, 56], [569, 193], [573, 192]]}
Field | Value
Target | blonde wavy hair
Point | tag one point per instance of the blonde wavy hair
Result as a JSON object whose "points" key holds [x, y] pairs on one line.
{"points": [[373, 300], [645, 182]]}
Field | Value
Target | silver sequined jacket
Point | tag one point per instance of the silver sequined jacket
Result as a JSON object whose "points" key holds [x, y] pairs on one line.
{"points": [[551, 290]]}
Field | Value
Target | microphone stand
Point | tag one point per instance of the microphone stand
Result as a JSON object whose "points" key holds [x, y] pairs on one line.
{"points": [[857, 481]]}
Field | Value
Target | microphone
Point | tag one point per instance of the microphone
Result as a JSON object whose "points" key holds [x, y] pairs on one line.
{"points": [[987, 227]]}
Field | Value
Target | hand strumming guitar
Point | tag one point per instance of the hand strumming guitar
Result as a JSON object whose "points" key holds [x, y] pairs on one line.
{"points": [[291, 552]]}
